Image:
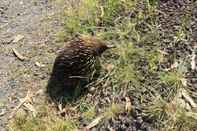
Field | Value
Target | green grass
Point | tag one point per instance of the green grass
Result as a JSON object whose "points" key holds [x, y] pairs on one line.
{"points": [[45, 121], [112, 110], [130, 25], [90, 113]]}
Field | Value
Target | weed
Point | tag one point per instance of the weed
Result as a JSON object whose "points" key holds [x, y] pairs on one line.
{"points": [[112, 110], [172, 78], [90, 113], [45, 121]]}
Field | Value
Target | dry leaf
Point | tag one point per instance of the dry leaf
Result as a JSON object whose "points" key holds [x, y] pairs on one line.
{"points": [[128, 106], [17, 38], [163, 52], [173, 66], [3, 112], [39, 64], [18, 55], [94, 122], [184, 81]]}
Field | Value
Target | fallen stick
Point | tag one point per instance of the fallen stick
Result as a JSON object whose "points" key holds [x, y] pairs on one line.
{"points": [[18, 55], [94, 123], [28, 98]]}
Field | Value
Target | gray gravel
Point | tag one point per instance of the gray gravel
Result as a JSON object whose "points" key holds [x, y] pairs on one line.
{"points": [[27, 18]]}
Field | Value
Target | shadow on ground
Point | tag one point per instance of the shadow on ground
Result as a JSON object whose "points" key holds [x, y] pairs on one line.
{"points": [[63, 89]]}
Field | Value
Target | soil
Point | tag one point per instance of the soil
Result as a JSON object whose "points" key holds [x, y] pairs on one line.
{"points": [[176, 14], [31, 19]]}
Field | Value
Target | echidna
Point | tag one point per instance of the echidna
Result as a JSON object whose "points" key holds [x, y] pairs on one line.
{"points": [[74, 64]]}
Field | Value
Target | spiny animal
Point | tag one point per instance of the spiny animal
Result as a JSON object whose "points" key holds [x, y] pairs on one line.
{"points": [[74, 64]]}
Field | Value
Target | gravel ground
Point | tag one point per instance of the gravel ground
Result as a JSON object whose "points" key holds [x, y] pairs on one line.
{"points": [[29, 18], [175, 14]]}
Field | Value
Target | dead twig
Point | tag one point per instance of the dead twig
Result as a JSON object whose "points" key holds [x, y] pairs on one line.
{"points": [[27, 99], [18, 55], [186, 96], [128, 106], [94, 123], [17, 38]]}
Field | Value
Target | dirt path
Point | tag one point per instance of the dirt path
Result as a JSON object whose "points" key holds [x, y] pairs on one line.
{"points": [[31, 19]]}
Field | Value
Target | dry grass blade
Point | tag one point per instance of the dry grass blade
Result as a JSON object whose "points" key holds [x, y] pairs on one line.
{"points": [[193, 62], [173, 66], [39, 64], [102, 11], [128, 106], [188, 99], [192, 115], [82, 77], [184, 81], [94, 122], [27, 99], [17, 38], [31, 108], [18, 55]]}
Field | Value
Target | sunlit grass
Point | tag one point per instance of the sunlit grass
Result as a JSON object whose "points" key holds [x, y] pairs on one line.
{"points": [[112, 110], [131, 26], [45, 121]]}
